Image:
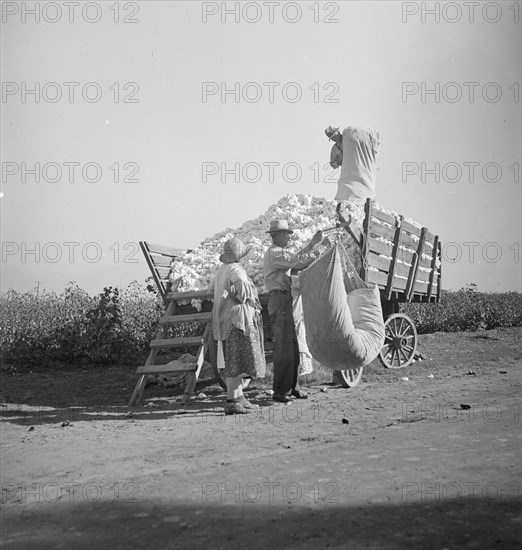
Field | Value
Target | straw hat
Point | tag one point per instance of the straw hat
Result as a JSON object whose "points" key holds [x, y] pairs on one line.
{"points": [[330, 131], [279, 225], [233, 250]]}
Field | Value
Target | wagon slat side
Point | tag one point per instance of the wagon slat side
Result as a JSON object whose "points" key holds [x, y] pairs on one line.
{"points": [[404, 261]]}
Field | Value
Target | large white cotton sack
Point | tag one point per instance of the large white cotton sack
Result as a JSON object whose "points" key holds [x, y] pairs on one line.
{"points": [[365, 308], [342, 314]]}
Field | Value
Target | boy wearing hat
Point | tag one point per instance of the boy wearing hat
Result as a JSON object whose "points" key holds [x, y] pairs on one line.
{"points": [[277, 265], [355, 151], [336, 154]]}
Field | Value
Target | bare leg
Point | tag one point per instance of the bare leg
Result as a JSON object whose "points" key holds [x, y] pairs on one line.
{"points": [[245, 382], [234, 388]]}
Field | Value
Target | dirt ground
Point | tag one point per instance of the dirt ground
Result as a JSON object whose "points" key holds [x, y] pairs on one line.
{"points": [[431, 461]]}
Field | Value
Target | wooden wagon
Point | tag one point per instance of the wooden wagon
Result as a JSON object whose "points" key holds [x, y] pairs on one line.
{"points": [[403, 260]]}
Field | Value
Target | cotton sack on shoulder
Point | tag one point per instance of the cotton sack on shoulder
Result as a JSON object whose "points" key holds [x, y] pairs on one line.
{"points": [[342, 313]]}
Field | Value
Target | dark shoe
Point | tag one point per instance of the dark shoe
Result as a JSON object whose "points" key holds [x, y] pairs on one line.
{"points": [[281, 398], [300, 394]]}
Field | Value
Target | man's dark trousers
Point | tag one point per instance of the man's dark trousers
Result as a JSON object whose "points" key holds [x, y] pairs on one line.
{"points": [[286, 349]]}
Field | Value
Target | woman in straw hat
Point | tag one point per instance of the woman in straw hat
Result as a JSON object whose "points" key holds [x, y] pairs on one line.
{"points": [[237, 326]]}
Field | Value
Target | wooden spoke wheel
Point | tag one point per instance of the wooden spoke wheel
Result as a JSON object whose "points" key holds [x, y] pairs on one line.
{"points": [[400, 342], [348, 378]]}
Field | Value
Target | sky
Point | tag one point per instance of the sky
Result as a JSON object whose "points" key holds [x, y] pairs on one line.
{"points": [[125, 121]]}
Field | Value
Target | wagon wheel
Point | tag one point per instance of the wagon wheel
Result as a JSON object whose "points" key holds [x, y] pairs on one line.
{"points": [[348, 378], [400, 342]]}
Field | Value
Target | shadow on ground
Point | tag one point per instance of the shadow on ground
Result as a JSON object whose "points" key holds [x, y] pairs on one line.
{"points": [[463, 524], [156, 408]]}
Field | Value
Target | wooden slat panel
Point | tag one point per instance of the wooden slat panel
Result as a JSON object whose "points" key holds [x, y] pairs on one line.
{"points": [[158, 369], [165, 250], [399, 284], [380, 247], [384, 264], [176, 342], [380, 278], [405, 255], [409, 241], [205, 317], [421, 288], [430, 238], [379, 262], [402, 269], [382, 231], [161, 261], [383, 216], [189, 295], [425, 263], [423, 275], [410, 228], [377, 277]]}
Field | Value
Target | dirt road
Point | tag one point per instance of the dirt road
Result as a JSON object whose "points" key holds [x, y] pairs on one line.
{"points": [[433, 461]]}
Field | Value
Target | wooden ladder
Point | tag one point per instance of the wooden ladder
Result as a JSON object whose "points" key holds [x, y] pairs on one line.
{"points": [[174, 315]]}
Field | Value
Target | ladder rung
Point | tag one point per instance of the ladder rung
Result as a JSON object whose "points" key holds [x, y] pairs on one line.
{"points": [[171, 319], [189, 295], [158, 369], [177, 342]]}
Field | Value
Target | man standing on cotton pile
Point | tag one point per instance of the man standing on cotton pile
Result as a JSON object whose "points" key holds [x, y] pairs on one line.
{"points": [[355, 151]]}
